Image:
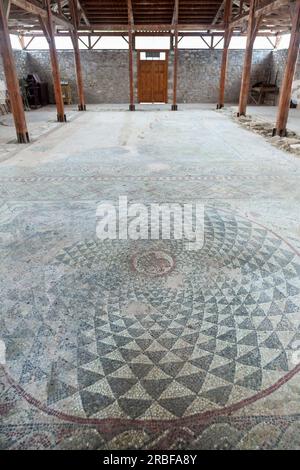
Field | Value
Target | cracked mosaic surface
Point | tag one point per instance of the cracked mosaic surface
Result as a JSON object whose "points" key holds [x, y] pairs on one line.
{"points": [[103, 339]]}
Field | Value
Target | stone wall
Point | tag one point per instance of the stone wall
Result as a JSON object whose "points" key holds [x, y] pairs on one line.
{"points": [[278, 65], [105, 73], [279, 59], [199, 74], [21, 64]]}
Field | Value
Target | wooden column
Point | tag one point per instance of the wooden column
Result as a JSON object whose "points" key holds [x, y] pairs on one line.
{"points": [[48, 28], [131, 74], [175, 64], [12, 81], [253, 25], [227, 39], [6, 6], [286, 87], [74, 38], [175, 71], [130, 51], [80, 90]]}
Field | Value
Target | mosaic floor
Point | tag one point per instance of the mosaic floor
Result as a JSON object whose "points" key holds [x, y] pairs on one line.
{"points": [[144, 344]]}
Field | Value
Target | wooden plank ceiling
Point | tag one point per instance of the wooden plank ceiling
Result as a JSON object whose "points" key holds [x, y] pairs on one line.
{"points": [[155, 15], [156, 12]]}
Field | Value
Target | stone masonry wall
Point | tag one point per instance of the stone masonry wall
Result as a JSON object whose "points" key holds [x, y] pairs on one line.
{"points": [[278, 65], [21, 64], [199, 74], [279, 59], [105, 73]]}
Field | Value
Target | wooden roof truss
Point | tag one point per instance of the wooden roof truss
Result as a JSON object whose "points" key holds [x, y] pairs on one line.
{"points": [[150, 17]]}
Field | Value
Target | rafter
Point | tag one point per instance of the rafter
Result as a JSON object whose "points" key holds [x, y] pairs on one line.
{"points": [[32, 8], [153, 16], [83, 13], [6, 7], [130, 13], [270, 7], [219, 12], [175, 13]]}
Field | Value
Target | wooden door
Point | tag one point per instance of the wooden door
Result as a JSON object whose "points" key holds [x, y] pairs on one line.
{"points": [[159, 81], [145, 81], [153, 81]]}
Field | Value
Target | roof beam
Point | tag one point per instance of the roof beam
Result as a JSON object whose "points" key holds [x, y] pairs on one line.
{"points": [[29, 7], [219, 12], [83, 14], [175, 13], [152, 27], [6, 7], [130, 13], [265, 10]]}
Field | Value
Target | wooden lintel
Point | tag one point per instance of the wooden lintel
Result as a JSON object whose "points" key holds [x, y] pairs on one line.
{"points": [[200, 27]]}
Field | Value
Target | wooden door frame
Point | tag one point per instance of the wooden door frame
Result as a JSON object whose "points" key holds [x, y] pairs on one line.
{"points": [[139, 60]]}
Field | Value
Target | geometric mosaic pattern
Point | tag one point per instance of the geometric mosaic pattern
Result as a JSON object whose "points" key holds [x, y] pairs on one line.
{"points": [[103, 340]]}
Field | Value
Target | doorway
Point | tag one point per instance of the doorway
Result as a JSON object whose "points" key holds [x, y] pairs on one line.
{"points": [[153, 77]]}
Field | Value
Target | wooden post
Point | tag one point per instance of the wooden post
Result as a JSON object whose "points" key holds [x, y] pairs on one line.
{"points": [[59, 7], [12, 81], [74, 38], [253, 25], [175, 64], [6, 6], [175, 71], [80, 90], [227, 39], [131, 75], [286, 87], [48, 29], [131, 44]]}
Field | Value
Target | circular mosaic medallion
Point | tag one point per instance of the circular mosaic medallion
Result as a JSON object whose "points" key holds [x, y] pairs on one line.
{"points": [[153, 263], [159, 341]]}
